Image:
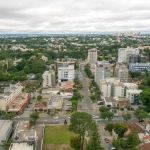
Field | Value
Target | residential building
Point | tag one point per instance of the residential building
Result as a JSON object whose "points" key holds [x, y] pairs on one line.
{"points": [[6, 128], [24, 138], [40, 106], [112, 87], [139, 67], [19, 103], [66, 73], [92, 55], [128, 86], [124, 52], [133, 96], [31, 76], [148, 126], [55, 102], [133, 127], [136, 58], [121, 72], [145, 146], [44, 58], [102, 71], [48, 79], [10, 93], [67, 87], [110, 102]]}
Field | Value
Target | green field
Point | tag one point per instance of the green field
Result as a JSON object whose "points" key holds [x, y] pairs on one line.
{"points": [[57, 136]]}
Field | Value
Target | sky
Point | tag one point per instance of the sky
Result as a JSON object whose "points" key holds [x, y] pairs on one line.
{"points": [[73, 16]]}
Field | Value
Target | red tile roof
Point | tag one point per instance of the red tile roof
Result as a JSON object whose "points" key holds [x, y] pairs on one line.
{"points": [[41, 105], [146, 146], [134, 127]]}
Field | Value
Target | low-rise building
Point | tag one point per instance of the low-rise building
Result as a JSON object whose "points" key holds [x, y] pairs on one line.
{"points": [[145, 146], [140, 67], [55, 102], [19, 103], [44, 58], [110, 102], [10, 93], [5, 131], [24, 138], [67, 87], [133, 96]]}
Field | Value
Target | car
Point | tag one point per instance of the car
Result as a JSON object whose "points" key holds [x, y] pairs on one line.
{"points": [[69, 104], [106, 140], [95, 117], [82, 101], [69, 117], [111, 147], [56, 117], [17, 117], [91, 102], [116, 115]]}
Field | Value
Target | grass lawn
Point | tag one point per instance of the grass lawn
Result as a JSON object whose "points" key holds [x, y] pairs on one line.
{"points": [[57, 135]]}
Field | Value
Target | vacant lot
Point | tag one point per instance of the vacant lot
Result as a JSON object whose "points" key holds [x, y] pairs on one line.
{"points": [[57, 138]]}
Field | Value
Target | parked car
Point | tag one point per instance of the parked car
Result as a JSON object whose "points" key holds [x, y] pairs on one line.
{"points": [[17, 117], [82, 101], [106, 140], [69, 104], [56, 117], [95, 117], [116, 115], [111, 147]]}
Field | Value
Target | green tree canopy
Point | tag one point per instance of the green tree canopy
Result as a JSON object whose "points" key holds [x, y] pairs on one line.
{"points": [[104, 109], [34, 116], [107, 115], [109, 127], [140, 114], [126, 117]]}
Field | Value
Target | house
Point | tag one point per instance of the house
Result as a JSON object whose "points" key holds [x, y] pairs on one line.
{"points": [[123, 104], [31, 76], [67, 87], [148, 126], [133, 127], [6, 128], [136, 80], [109, 102], [40, 106]]}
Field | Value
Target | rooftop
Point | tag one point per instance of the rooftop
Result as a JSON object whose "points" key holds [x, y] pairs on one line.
{"points": [[4, 126], [135, 91], [54, 98], [145, 146], [109, 99], [21, 146], [134, 127]]}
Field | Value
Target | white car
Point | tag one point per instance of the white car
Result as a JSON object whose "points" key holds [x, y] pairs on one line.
{"points": [[68, 117], [17, 117], [95, 117], [56, 117], [82, 101], [116, 115]]}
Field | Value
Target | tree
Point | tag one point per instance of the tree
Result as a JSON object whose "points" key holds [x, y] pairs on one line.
{"points": [[126, 117], [9, 116], [29, 88], [39, 97], [104, 109], [140, 114], [120, 129], [145, 96], [109, 127], [76, 96], [93, 97], [116, 143], [94, 142], [133, 139], [107, 115], [74, 105], [6, 144], [34, 116], [80, 123], [75, 142]]}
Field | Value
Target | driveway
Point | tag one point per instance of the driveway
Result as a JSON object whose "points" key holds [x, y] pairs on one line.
{"points": [[40, 134]]}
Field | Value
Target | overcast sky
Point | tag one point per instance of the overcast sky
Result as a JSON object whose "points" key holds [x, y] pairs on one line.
{"points": [[74, 16]]}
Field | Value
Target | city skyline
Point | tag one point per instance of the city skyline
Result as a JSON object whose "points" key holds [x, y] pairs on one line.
{"points": [[74, 17]]}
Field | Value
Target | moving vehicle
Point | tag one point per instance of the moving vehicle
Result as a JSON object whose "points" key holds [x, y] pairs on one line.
{"points": [[56, 117], [69, 104], [116, 115], [17, 117]]}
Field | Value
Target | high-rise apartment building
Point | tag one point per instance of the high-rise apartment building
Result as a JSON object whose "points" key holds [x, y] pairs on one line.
{"points": [[121, 72], [132, 58], [102, 71], [92, 55], [49, 78], [124, 52]]}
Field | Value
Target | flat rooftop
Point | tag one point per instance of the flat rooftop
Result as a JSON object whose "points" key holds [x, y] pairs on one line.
{"points": [[109, 99], [54, 98], [21, 146], [4, 126]]}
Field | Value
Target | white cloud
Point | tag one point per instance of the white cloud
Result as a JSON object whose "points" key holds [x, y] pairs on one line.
{"points": [[74, 16]]}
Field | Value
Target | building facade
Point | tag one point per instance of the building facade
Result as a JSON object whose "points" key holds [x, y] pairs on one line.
{"points": [[92, 55], [124, 52], [138, 58], [121, 72], [133, 96], [49, 78], [112, 87], [102, 71], [10, 93], [140, 67]]}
